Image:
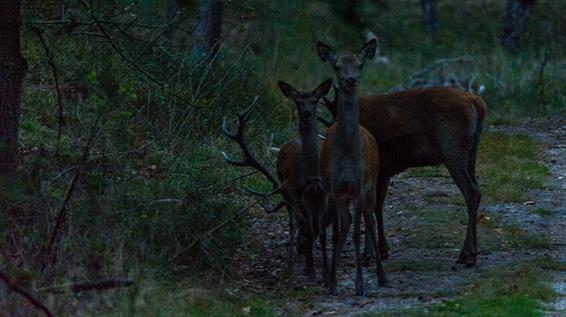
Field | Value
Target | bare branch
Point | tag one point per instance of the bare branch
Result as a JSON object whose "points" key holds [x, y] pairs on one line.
{"points": [[55, 72], [46, 253], [32, 300]]}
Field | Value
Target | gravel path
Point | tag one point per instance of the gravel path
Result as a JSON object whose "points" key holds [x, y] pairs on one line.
{"points": [[419, 276]]}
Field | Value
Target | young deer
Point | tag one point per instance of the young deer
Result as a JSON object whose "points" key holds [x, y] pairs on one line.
{"points": [[298, 168], [425, 127], [349, 164]]}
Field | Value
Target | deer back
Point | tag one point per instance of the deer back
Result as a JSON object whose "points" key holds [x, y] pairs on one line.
{"points": [[411, 125]]}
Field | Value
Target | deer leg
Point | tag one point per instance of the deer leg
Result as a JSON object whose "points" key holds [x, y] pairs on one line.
{"points": [[380, 193], [370, 232], [309, 259], [290, 248], [467, 185], [359, 275], [339, 235], [324, 255], [322, 221], [302, 238], [335, 239]]}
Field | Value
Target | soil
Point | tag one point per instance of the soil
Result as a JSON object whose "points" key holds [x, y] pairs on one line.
{"points": [[417, 277]]}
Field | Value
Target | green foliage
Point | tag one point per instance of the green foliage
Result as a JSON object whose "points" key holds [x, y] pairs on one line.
{"points": [[515, 291], [443, 228], [154, 182], [187, 299], [509, 167]]}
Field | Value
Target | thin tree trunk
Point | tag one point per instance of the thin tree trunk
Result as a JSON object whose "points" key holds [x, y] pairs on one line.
{"points": [[12, 71], [208, 28], [515, 23], [430, 20]]}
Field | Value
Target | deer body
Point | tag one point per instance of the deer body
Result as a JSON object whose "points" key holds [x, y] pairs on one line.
{"points": [[349, 165], [426, 127], [298, 169]]}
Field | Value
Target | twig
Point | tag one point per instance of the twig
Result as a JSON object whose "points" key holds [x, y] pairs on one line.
{"points": [[129, 61], [46, 252], [216, 228], [55, 72], [99, 285], [32, 300]]}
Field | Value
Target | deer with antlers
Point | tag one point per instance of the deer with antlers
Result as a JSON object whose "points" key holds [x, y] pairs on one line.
{"points": [[298, 170], [350, 164]]}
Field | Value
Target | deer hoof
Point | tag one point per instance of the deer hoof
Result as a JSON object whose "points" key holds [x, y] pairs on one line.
{"points": [[332, 289], [469, 259]]}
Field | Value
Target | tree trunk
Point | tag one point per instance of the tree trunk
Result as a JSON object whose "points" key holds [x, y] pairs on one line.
{"points": [[515, 23], [429, 15], [208, 28], [12, 71]]}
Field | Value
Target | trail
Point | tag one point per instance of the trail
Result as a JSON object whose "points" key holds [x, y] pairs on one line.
{"points": [[419, 273]]}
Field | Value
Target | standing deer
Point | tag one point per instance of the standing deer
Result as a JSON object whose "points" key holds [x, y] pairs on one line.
{"points": [[297, 168], [349, 164], [426, 127]]}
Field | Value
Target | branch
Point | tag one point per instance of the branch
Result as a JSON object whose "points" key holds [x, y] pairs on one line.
{"points": [[15, 288], [129, 61], [216, 228], [54, 70], [99, 285], [47, 251]]}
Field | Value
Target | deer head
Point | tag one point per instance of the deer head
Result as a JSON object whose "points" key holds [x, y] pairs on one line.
{"points": [[306, 102], [348, 67]]}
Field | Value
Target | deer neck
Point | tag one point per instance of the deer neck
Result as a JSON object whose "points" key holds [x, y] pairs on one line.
{"points": [[347, 130], [311, 151], [346, 146]]}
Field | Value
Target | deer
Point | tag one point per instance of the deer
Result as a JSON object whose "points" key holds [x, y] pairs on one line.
{"points": [[349, 165], [425, 127], [298, 168], [298, 171]]}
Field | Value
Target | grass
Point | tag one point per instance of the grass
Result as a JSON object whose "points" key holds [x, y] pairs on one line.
{"points": [[543, 212], [514, 291], [445, 228], [509, 167], [188, 300]]}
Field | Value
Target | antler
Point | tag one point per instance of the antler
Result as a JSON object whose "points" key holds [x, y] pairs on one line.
{"points": [[249, 160]]}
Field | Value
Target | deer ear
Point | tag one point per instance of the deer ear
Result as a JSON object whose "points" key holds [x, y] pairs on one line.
{"points": [[325, 53], [322, 89], [369, 49], [288, 90]]}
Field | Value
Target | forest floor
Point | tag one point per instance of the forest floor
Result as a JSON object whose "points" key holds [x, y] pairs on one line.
{"points": [[425, 226]]}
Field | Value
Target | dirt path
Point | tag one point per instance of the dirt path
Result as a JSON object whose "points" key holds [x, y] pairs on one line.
{"points": [[553, 199], [419, 269]]}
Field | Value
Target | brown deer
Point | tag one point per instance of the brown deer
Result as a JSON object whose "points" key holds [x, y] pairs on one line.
{"points": [[349, 165], [298, 170], [426, 127]]}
